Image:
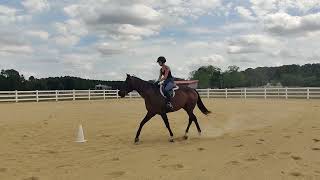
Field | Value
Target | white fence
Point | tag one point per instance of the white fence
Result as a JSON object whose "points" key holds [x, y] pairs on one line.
{"points": [[60, 95]]}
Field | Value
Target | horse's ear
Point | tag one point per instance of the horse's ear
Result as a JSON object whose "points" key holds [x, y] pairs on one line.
{"points": [[128, 75]]}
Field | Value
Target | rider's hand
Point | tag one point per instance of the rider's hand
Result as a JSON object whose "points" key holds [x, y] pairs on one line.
{"points": [[161, 82]]}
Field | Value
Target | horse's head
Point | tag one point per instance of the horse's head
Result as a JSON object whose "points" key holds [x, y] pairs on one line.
{"points": [[126, 87]]}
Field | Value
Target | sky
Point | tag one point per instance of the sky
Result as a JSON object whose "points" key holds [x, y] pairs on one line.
{"points": [[105, 39]]}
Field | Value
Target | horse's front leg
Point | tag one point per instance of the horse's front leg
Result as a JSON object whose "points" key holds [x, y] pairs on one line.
{"points": [[166, 122], [148, 116]]}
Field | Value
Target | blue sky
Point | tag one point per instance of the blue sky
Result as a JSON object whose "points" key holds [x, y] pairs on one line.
{"points": [[105, 39]]}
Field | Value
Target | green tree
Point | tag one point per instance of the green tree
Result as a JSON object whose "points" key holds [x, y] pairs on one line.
{"points": [[208, 76]]}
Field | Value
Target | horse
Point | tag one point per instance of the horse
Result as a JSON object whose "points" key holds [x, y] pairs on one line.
{"points": [[185, 97]]}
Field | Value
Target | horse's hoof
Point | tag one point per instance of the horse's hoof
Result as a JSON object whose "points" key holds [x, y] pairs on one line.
{"points": [[185, 137], [171, 139], [136, 141], [199, 133]]}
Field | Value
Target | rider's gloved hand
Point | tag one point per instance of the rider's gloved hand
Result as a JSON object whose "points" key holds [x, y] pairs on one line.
{"points": [[156, 83]]}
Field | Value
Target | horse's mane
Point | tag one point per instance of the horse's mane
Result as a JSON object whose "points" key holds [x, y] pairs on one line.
{"points": [[152, 85]]}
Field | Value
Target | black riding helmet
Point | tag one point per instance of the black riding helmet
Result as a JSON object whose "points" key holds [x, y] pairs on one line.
{"points": [[161, 59]]}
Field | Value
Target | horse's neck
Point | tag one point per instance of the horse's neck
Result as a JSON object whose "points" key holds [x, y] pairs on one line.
{"points": [[141, 87]]}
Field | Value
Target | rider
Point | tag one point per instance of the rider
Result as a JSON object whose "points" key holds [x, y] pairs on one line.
{"points": [[167, 79]]}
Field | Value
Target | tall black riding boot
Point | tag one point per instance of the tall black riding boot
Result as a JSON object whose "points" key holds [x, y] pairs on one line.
{"points": [[168, 101]]}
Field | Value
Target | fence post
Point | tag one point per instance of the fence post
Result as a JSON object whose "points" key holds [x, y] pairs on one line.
{"points": [[286, 93], [226, 92], [16, 93], [117, 94], [56, 95], [308, 93], [37, 95], [130, 95], [89, 95], [74, 95], [245, 93], [208, 92], [104, 94]]}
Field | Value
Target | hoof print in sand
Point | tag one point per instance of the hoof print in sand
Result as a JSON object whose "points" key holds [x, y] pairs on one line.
{"points": [[285, 153], [316, 149], [251, 159], [234, 162], [117, 173], [105, 135], [296, 174], [175, 166], [316, 140], [31, 178], [201, 149], [3, 169], [296, 158], [264, 155], [115, 159], [240, 145]]}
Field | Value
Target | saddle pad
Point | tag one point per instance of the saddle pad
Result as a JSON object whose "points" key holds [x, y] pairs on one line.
{"points": [[173, 93]]}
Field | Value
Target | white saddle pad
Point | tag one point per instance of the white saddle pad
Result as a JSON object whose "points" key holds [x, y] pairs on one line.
{"points": [[173, 93]]}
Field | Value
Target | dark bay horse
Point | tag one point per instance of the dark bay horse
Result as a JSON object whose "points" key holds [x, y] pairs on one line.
{"points": [[185, 97]]}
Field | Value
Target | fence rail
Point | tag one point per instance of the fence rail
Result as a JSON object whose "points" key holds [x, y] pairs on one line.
{"points": [[60, 95]]}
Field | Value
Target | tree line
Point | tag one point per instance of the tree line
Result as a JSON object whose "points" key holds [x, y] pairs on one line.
{"points": [[307, 75], [12, 80]]}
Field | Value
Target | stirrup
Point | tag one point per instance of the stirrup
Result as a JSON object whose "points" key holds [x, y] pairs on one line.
{"points": [[169, 105]]}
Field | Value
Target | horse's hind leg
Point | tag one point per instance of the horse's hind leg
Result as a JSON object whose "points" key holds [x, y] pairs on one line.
{"points": [[187, 130], [166, 122], [194, 118], [197, 124]]}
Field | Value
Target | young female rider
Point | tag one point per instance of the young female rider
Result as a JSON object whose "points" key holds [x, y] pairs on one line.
{"points": [[167, 79]]}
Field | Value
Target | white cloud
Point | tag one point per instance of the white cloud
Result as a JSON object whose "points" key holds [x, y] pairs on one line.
{"points": [[71, 27], [15, 49], [69, 32], [66, 41], [14, 43], [43, 35], [117, 20], [245, 13], [213, 59], [9, 15], [111, 49], [35, 6], [253, 43], [201, 30], [136, 19], [262, 7], [4, 10], [285, 24], [79, 62]]}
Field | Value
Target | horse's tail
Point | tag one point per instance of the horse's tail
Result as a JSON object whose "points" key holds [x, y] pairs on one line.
{"points": [[201, 106]]}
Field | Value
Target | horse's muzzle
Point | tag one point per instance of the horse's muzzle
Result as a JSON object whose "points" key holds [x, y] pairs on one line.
{"points": [[122, 93]]}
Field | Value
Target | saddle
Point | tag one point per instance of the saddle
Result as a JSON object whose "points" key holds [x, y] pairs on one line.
{"points": [[171, 92]]}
